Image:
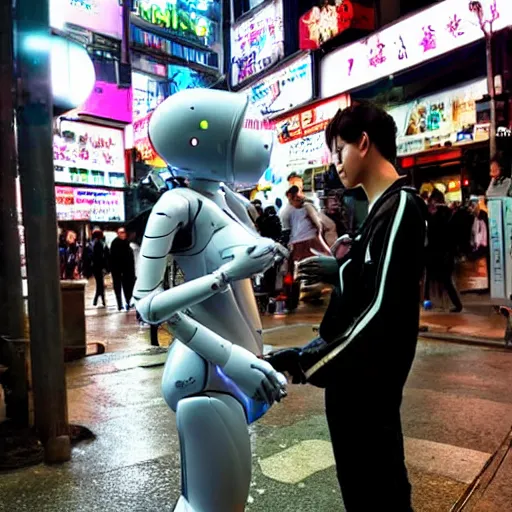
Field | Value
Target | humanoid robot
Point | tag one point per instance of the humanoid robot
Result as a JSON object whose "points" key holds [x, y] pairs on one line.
{"points": [[213, 378]]}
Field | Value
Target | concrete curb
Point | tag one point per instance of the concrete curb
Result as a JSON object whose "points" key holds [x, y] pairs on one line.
{"points": [[464, 339]]}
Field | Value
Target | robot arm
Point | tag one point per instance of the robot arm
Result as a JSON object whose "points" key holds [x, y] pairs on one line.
{"points": [[254, 376]]}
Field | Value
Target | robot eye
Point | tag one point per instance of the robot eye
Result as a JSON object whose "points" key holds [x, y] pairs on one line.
{"points": [[194, 141]]}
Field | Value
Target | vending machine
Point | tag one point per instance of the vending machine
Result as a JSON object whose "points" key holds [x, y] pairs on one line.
{"points": [[500, 239]]}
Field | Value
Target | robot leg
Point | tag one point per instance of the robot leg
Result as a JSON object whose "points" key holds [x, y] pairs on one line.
{"points": [[214, 441], [215, 454]]}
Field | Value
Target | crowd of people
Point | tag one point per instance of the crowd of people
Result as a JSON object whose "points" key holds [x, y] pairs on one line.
{"points": [[97, 260]]}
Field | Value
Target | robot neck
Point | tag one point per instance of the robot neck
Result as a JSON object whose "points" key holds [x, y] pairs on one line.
{"points": [[210, 189]]}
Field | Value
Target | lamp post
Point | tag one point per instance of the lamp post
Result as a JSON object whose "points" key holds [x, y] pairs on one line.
{"points": [[487, 28]]}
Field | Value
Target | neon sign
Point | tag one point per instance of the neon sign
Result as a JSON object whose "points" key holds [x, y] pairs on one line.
{"points": [[426, 35], [323, 23], [257, 43], [185, 18]]}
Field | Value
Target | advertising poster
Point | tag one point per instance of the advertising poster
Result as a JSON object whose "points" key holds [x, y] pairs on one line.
{"points": [[328, 20], [88, 153], [88, 204], [497, 249], [310, 120], [257, 43], [438, 118], [428, 34], [142, 144], [507, 244], [100, 16], [283, 90]]}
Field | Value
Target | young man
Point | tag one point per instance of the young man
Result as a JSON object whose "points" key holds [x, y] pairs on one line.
{"points": [[122, 266], [368, 335]]}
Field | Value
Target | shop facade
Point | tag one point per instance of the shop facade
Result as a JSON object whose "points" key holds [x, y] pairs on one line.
{"points": [[91, 162], [442, 135], [175, 46]]}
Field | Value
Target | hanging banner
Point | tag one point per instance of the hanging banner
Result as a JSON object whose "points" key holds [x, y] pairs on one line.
{"points": [[433, 32], [257, 43], [309, 120], [283, 90], [323, 23]]}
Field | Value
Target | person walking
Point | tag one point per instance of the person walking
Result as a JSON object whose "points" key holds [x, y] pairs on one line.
{"points": [[122, 267], [369, 332], [441, 249], [96, 263]]}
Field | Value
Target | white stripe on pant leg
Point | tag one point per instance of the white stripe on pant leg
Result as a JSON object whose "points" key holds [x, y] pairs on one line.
{"points": [[377, 304]]}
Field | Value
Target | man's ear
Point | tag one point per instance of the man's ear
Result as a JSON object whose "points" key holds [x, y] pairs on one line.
{"points": [[364, 143]]}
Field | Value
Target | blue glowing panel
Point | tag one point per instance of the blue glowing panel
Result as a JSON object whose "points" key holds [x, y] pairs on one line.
{"points": [[181, 77]]}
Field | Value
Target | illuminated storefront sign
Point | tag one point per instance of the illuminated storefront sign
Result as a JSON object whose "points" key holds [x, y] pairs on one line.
{"points": [[323, 23], [432, 121], [257, 43], [109, 101], [99, 16], [191, 19], [283, 90], [142, 144], [309, 120], [87, 204], [90, 154], [419, 38]]}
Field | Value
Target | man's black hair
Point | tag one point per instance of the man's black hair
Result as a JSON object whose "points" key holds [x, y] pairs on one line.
{"points": [[292, 191], [293, 175], [352, 122], [437, 197]]}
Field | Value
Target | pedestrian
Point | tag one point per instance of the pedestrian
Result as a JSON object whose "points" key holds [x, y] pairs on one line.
{"points": [[369, 332], [500, 184], [96, 264], [122, 267], [305, 228], [72, 257], [441, 249]]}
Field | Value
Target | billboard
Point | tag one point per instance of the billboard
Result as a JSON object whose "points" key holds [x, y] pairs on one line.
{"points": [[90, 154], [89, 204], [309, 120], [193, 20], [323, 23], [421, 37], [257, 42], [100, 16], [284, 90]]}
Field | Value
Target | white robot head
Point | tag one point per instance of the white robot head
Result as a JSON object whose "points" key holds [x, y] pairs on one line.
{"points": [[201, 132]]}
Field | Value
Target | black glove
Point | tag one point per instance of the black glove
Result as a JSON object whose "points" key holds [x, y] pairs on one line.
{"points": [[287, 360], [319, 269]]}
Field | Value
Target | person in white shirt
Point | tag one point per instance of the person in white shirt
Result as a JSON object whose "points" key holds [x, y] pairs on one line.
{"points": [[500, 185], [301, 219]]}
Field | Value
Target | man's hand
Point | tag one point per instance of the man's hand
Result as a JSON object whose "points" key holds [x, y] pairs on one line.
{"points": [[319, 269], [287, 361]]}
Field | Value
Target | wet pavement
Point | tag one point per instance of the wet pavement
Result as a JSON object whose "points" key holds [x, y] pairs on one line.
{"points": [[457, 410]]}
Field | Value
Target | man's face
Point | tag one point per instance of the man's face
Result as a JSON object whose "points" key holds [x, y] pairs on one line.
{"points": [[121, 233], [495, 170], [349, 160]]}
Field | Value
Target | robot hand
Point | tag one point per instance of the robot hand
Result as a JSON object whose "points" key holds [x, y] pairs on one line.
{"points": [[254, 376], [248, 261]]}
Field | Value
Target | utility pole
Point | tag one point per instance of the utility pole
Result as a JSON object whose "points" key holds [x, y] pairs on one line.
{"points": [[35, 159], [487, 28], [11, 299]]}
